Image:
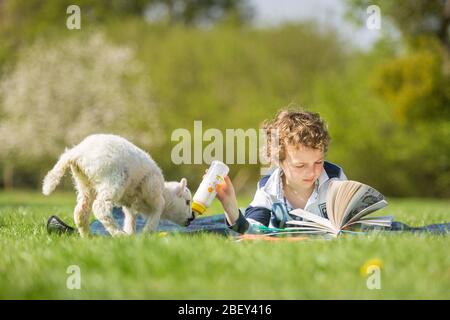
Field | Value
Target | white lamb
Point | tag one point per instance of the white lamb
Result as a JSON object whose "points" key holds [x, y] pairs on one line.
{"points": [[110, 171]]}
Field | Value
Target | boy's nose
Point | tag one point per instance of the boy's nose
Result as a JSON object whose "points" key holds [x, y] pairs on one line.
{"points": [[309, 176]]}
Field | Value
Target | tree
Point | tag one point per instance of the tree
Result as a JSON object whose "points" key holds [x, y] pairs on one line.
{"points": [[415, 85], [23, 21], [193, 12], [60, 92], [416, 81], [414, 18]]}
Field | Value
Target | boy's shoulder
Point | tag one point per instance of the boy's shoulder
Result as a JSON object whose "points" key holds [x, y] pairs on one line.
{"points": [[262, 182], [332, 170]]}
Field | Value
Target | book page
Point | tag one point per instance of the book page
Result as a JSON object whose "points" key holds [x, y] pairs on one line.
{"points": [[355, 198], [338, 201], [329, 202], [347, 192], [312, 232], [314, 218], [362, 200], [376, 206], [305, 225], [376, 221]]}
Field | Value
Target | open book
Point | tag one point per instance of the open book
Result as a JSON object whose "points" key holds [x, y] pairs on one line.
{"points": [[348, 203]]}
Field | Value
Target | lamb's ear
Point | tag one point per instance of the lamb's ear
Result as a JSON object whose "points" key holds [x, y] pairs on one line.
{"points": [[181, 187]]}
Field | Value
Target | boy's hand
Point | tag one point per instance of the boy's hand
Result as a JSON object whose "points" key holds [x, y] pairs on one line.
{"points": [[225, 191], [227, 197]]}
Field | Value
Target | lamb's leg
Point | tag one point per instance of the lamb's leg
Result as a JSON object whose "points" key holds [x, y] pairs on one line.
{"points": [[102, 208], [129, 225], [84, 202], [153, 201], [152, 222], [155, 215], [81, 215]]}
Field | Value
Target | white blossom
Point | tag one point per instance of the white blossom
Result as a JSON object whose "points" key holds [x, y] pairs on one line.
{"points": [[58, 93]]}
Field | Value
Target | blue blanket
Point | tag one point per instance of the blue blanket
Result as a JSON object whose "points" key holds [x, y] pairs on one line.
{"points": [[210, 224], [216, 224]]}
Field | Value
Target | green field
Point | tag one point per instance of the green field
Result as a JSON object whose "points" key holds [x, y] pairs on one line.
{"points": [[33, 265]]}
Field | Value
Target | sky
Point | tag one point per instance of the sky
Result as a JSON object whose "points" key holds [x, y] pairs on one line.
{"points": [[325, 12]]}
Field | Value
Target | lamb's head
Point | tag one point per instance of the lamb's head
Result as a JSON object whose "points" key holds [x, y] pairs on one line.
{"points": [[178, 203]]}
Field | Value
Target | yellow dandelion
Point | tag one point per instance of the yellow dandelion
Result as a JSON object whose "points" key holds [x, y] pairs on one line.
{"points": [[370, 263], [162, 234]]}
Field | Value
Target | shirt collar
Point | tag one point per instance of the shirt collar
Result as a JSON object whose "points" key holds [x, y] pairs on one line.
{"points": [[323, 177], [274, 186]]}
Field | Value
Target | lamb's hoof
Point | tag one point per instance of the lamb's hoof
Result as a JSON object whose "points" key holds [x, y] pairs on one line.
{"points": [[129, 233], [119, 233]]}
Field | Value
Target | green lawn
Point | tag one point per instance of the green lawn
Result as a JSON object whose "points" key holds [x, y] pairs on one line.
{"points": [[33, 265]]}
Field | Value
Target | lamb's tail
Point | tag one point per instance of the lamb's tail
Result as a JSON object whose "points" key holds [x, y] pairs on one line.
{"points": [[54, 176]]}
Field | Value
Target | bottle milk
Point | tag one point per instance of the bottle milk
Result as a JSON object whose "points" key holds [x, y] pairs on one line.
{"points": [[206, 192]]}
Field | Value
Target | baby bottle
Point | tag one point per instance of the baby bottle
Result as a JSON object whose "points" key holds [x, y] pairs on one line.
{"points": [[206, 192]]}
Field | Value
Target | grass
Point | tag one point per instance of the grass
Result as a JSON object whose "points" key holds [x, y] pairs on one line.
{"points": [[33, 265]]}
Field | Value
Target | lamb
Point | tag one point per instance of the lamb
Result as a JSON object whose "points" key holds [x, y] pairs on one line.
{"points": [[109, 171]]}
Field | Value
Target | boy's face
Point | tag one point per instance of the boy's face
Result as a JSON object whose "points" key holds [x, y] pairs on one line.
{"points": [[302, 166]]}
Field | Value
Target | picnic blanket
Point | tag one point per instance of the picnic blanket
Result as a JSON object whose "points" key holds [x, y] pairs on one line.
{"points": [[216, 224], [209, 224]]}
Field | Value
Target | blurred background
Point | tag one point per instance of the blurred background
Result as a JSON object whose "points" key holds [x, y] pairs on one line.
{"points": [[143, 68]]}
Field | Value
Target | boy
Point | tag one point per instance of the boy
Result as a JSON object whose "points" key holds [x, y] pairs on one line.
{"points": [[300, 180]]}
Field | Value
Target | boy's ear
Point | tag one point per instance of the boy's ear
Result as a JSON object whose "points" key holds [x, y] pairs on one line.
{"points": [[181, 187]]}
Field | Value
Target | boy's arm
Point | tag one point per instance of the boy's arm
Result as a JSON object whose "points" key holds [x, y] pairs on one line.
{"points": [[250, 220], [256, 214]]}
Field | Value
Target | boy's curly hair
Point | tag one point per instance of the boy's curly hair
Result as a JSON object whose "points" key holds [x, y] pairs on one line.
{"points": [[295, 127]]}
